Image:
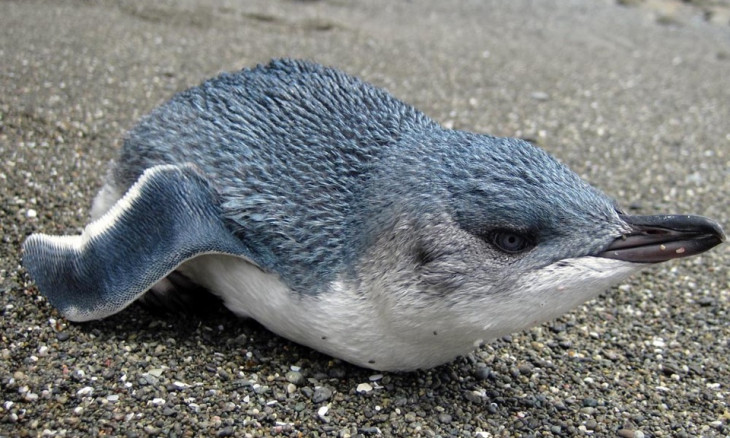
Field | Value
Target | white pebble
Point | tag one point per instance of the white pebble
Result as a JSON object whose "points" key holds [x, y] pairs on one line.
{"points": [[180, 385], [86, 390], [375, 377], [364, 388], [323, 411], [156, 401], [31, 213], [78, 410]]}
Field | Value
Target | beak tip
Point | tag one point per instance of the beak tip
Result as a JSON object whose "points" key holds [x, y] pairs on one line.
{"points": [[659, 238]]}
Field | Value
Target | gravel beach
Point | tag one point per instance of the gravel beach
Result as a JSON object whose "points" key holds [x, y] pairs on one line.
{"points": [[633, 96]]}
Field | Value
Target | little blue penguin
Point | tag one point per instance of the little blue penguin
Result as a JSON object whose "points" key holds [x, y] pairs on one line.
{"points": [[346, 220]]}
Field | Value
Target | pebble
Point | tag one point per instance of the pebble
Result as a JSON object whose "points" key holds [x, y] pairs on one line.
{"points": [[483, 373], [85, 391], [630, 433], [295, 378], [591, 424], [321, 393], [226, 431], [540, 95], [322, 412], [590, 402], [364, 388]]}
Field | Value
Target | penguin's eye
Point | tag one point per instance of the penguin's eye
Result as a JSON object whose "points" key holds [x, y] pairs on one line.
{"points": [[511, 242]]}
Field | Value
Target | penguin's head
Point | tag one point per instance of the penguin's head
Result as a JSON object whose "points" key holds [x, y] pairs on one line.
{"points": [[484, 236]]}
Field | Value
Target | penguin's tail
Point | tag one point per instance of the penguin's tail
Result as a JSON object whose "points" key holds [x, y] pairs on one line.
{"points": [[167, 217]]}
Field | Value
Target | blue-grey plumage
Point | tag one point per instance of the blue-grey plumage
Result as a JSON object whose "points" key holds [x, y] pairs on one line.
{"points": [[348, 221]]}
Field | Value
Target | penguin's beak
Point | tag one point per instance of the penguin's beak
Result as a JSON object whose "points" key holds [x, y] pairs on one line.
{"points": [[655, 239]]}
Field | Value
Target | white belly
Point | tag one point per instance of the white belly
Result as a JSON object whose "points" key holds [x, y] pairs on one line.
{"points": [[341, 322]]}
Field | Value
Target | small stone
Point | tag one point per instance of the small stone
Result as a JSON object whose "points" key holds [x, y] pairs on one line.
{"points": [[484, 373], [336, 373], [591, 424], [156, 401], [626, 433], [322, 412], [226, 431], [557, 328], [62, 336], [364, 388], [445, 418], [590, 402], [83, 392], [321, 393], [540, 95], [180, 385], [295, 377], [706, 301], [157, 372], [375, 377], [526, 369], [474, 396], [151, 430]]}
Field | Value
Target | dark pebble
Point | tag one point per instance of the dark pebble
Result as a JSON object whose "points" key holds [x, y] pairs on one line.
{"points": [[483, 373], [670, 368], [321, 394], [226, 431], [706, 301], [590, 402], [526, 369], [336, 373], [62, 336], [557, 328]]}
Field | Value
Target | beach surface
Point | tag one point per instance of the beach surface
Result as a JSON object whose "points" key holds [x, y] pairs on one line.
{"points": [[634, 96]]}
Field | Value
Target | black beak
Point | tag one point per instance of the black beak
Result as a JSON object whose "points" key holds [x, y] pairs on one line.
{"points": [[655, 239]]}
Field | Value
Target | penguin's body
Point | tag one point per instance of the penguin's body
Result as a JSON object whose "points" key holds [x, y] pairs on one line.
{"points": [[343, 219]]}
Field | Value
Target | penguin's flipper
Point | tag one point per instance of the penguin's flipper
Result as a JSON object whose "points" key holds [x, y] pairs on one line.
{"points": [[168, 216]]}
